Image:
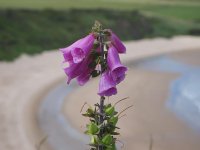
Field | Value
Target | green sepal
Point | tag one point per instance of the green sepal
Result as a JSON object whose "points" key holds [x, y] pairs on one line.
{"points": [[107, 139], [113, 120], [94, 140], [107, 106], [89, 113], [109, 111], [92, 128]]}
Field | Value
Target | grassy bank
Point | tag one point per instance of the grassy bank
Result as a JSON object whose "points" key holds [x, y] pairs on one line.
{"points": [[32, 31], [180, 9]]}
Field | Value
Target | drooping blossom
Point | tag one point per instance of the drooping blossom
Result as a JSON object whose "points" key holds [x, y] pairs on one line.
{"points": [[117, 43], [83, 78], [85, 74], [79, 59], [76, 69], [117, 70], [107, 85], [76, 52]]}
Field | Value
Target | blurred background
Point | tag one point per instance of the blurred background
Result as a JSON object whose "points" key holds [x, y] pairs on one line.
{"points": [[32, 26], [38, 111]]}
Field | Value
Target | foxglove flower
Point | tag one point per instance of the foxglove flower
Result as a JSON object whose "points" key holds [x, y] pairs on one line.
{"points": [[76, 69], [76, 52], [117, 43], [107, 85], [117, 70], [84, 76]]}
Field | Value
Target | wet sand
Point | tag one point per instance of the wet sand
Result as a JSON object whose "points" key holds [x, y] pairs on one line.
{"points": [[25, 82]]}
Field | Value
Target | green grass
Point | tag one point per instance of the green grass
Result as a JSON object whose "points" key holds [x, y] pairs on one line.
{"points": [[185, 9], [32, 31]]}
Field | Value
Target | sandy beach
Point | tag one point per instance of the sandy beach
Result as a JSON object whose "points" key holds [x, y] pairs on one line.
{"points": [[148, 91], [25, 82]]}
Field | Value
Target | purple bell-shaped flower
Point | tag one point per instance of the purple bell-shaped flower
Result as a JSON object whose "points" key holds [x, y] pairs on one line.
{"points": [[107, 85], [117, 43], [76, 52], [117, 70]]}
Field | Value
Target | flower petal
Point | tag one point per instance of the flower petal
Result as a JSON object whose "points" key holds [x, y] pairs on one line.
{"points": [[77, 54], [76, 69], [117, 43], [116, 68], [107, 86], [83, 78], [78, 50]]}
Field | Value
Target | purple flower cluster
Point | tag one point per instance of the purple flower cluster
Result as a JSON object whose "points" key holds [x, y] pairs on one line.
{"points": [[78, 55]]}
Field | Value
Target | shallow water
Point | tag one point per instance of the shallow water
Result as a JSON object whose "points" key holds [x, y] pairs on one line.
{"points": [[165, 64], [184, 98], [61, 134]]}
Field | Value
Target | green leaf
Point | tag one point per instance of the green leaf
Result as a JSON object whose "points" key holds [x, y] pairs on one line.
{"points": [[92, 128], [107, 106], [94, 140], [110, 110], [107, 139], [89, 113], [113, 120]]}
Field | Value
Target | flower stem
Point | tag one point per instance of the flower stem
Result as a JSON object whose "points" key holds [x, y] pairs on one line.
{"points": [[101, 107], [101, 45]]}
